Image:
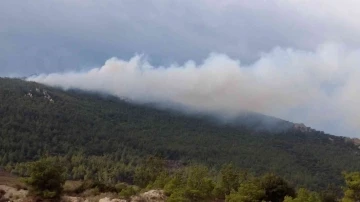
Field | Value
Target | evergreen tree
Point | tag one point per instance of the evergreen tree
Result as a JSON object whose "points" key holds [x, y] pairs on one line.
{"points": [[46, 179], [249, 191], [175, 183], [330, 194], [304, 195], [147, 173], [275, 188], [229, 181], [199, 185]]}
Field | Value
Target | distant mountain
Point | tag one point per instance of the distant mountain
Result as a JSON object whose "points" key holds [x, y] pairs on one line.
{"points": [[37, 120]]}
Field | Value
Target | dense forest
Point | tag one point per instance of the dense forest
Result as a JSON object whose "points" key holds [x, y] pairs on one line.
{"points": [[105, 138]]}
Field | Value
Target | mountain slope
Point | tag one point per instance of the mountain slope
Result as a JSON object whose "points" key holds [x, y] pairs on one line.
{"points": [[36, 119]]}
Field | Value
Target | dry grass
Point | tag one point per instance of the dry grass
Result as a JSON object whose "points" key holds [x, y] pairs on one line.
{"points": [[12, 193], [12, 185], [71, 185], [8, 179]]}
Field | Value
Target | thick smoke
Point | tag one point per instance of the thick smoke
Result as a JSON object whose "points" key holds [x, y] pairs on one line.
{"points": [[318, 88]]}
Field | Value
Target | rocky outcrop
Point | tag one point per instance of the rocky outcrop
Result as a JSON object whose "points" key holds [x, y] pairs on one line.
{"points": [[106, 199], [12, 194], [355, 141], [149, 196], [38, 92], [302, 127], [153, 196]]}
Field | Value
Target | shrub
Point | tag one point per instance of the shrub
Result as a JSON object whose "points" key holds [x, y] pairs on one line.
{"points": [[46, 179]]}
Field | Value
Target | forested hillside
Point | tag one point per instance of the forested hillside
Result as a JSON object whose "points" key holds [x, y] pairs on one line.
{"points": [[105, 138]]}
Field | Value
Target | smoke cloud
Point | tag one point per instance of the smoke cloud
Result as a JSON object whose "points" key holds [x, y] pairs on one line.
{"points": [[318, 88]]}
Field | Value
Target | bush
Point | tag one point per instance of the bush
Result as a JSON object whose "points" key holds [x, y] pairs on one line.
{"points": [[128, 192], [249, 191], [120, 186], [352, 188], [89, 185], [275, 188], [267, 188], [178, 196], [46, 179], [304, 195]]}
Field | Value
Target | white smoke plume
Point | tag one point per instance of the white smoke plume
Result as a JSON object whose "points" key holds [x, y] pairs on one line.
{"points": [[319, 88]]}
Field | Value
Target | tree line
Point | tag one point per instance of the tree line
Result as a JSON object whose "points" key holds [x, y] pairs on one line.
{"points": [[47, 176]]}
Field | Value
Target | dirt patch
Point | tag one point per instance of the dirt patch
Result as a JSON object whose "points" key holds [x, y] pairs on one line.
{"points": [[10, 180], [13, 194]]}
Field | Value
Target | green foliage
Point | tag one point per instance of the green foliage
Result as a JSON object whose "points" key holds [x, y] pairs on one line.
{"points": [[175, 183], [267, 188], [199, 185], [229, 181], [304, 195], [330, 194], [46, 179], [100, 186], [96, 187], [149, 171], [178, 196], [105, 139], [249, 191], [160, 181], [276, 188], [128, 191], [194, 183], [352, 189]]}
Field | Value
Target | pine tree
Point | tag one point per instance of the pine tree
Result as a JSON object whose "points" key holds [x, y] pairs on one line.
{"points": [[46, 179]]}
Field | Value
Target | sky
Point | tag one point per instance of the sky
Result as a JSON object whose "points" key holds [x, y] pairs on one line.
{"points": [[293, 59]]}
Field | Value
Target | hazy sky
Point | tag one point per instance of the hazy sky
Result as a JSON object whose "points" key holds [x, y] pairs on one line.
{"points": [[295, 59], [44, 36]]}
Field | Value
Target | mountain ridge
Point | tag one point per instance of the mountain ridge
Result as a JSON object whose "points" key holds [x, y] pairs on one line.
{"points": [[85, 123]]}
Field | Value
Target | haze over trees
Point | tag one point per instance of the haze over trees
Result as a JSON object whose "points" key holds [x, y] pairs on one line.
{"points": [[109, 140]]}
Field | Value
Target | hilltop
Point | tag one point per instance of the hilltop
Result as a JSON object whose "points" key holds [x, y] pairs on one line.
{"points": [[104, 136]]}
